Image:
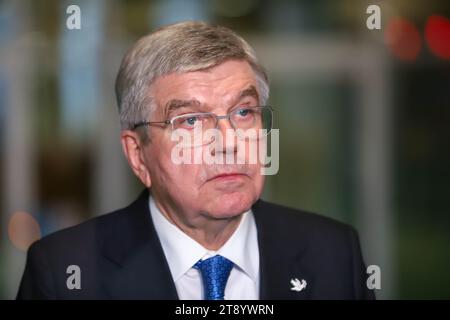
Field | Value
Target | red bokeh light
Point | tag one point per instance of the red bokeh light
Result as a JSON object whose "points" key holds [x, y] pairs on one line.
{"points": [[437, 35], [403, 38]]}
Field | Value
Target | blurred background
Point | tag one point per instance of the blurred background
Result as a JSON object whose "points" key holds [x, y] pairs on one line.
{"points": [[364, 119]]}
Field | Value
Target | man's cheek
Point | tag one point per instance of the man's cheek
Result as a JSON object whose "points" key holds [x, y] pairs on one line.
{"points": [[187, 174], [257, 179]]}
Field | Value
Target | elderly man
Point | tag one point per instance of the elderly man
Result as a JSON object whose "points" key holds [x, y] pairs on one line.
{"points": [[200, 229]]}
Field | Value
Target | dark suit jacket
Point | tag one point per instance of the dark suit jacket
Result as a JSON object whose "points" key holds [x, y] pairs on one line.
{"points": [[120, 257]]}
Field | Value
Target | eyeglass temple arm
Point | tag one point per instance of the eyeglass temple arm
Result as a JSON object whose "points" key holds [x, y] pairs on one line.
{"points": [[146, 123]]}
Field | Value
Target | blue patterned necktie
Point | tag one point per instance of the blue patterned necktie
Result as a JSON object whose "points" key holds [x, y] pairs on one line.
{"points": [[215, 272]]}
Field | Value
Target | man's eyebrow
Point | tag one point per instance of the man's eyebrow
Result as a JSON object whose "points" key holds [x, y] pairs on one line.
{"points": [[176, 104], [249, 92]]}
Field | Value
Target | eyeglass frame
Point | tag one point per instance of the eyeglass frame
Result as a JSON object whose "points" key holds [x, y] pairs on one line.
{"points": [[217, 117]]}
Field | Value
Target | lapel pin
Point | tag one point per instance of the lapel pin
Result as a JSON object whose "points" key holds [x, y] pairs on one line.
{"points": [[298, 285]]}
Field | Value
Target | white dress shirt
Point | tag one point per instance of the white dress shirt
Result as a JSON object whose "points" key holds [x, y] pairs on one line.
{"points": [[182, 252]]}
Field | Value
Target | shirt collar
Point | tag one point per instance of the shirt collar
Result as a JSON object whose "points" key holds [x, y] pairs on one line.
{"points": [[182, 252]]}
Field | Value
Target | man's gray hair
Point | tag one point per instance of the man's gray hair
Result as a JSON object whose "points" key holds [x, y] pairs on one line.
{"points": [[181, 47]]}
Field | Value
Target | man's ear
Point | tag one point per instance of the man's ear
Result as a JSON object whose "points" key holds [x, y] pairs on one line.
{"points": [[133, 149]]}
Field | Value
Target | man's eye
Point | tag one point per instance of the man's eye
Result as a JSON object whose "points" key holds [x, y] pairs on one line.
{"points": [[191, 121], [188, 122], [244, 113]]}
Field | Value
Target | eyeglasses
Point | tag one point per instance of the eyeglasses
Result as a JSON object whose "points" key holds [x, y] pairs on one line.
{"points": [[244, 118]]}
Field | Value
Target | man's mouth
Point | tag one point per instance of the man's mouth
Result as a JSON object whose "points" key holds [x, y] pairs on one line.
{"points": [[227, 176]]}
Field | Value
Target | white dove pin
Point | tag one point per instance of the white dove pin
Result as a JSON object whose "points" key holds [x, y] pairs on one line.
{"points": [[298, 285]]}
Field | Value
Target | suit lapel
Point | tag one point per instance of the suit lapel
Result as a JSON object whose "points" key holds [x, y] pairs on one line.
{"points": [[134, 263], [280, 258]]}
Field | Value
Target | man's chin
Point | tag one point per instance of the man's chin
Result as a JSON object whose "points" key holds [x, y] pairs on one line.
{"points": [[231, 205]]}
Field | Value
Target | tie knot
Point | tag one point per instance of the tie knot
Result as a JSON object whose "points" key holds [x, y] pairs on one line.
{"points": [[215, 272]]}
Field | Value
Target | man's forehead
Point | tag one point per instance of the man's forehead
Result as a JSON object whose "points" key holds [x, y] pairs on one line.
{"points": [[229, 74], [171, 105], [225, 84]]}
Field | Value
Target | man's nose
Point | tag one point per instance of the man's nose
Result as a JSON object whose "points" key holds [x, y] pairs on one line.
{"points": [[227, 135], [224, 124]]}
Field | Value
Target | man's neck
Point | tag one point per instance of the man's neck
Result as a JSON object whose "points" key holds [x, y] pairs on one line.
{"points": [[212, 234]]}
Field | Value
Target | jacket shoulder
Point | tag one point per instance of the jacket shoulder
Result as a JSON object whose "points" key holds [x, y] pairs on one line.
{"points": [[290, 219], [83, 232]]}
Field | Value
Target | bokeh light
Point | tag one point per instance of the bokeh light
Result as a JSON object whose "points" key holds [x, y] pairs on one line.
{"points": [[437, 35], [403, 39], [23, 230]]}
